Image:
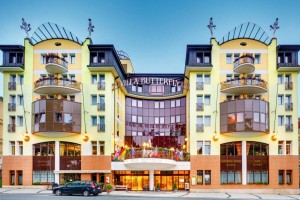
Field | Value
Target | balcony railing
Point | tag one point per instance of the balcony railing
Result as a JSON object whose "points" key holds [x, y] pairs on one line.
{"points": [[11, 128], [64, 86], [244, 65], [11, 85], [101, 106], [101, 85], [11, 106], [288, 85], [199, 85], [57, 60], [289, 127], [199, 127], [289, 106], [151, 152], [200, 106], [238, 86], [101, 127]]}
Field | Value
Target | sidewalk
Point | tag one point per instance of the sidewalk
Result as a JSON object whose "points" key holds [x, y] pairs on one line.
{"points": [[166, 194]]}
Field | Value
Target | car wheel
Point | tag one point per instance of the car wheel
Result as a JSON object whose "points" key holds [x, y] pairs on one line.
{"points": [[96, 194], [86, 193], [58, 192]]}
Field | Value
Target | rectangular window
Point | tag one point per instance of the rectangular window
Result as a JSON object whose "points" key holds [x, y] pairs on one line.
{"points": [[172, 104], [20, 100], [228, 77], [207, 79], [140, 119], [281, 177], [156, 120], [133, 88], [207, 148], [199, 147], [280, 147], [236, 56], [94, 148], [43, 58], [280, 99], [94, 79], [161, 120], [207, 120], [21, 79], [162, 104], [12, 148], [20, 143], [20, 120], [178, 103], [94, 100], [72, 98], [133, 118], [140, 89], [156, 104], [172, 119], [177, 118], [72, 58], [207, 99], [140, 104], [94, 121], [228, 58], [68, 118], [102, 147], [288, 147], [280, 120], [288, 177], [280, 79], [72, 77], [133, 103], [173, 89], [257, 58], [207, 177], [199, 177]]}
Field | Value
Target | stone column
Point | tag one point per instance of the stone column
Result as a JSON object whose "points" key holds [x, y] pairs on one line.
{"points": [[57, 161], [151, 179], [244, 162]]}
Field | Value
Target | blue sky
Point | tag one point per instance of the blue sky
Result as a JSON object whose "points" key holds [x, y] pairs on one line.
{"points": [[154, 33]]}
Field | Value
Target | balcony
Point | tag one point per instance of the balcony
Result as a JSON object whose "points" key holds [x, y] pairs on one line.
{"points": [[288, 106], [56, 117], [288, 85], [101, 127], [11, 128], [199, 127], [56, 65], [289, 127], [248, 86], [53, 86], [200, 106], [101, 106], [244, 115], [11, 85], [101, 85], [199, 86], [13, 58], [288, 58], [244, 64], [11, 106]]}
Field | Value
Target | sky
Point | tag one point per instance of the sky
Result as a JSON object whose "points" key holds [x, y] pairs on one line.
{"points": [[154, 33]]}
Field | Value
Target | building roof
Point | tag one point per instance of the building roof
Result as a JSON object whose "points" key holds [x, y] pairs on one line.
{"points": [[11, 47], [48, 31]]}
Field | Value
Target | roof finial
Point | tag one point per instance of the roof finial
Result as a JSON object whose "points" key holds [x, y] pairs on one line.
{"points": [[274, 27], [211, 26], [90, 28], [25, 26]]}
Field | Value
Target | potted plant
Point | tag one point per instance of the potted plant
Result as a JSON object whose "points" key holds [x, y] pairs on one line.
{"points": [[175, 187], [108, 188], [157, 187]]}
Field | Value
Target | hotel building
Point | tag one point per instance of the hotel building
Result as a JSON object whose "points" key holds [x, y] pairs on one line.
{"points": [[77, 110]]}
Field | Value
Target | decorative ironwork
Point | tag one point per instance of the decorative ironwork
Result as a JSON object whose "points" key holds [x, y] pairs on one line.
{"points": [[90, 28], [11, 107], [288, 106], [289, 127], [243, 82], [243, 60], [288, 85], [55, 59], [199, 85], [11, 85], [199, 127], [247, 30], [26, 27], [57, 82], [101, 127], [11, 128], [200, 106], [123, 55], [211, 26], [274, 27]]}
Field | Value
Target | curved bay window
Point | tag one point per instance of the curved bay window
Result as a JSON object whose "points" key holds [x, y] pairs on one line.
{"points": [[43, 162], [240, 115], [155, 123], [70, 156], [231, 163], [257, 163]]}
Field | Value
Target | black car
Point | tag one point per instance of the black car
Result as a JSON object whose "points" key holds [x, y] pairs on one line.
{"points": [[79, 187]]}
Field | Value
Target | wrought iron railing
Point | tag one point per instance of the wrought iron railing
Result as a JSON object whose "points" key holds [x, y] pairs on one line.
{"points": [[288, 106], [57, 82], [11, 85], [199, 86], [288, 85], [245, 59], [11, 128], [199, 127], [151, 152], [11, 106], [200, 106], [57, 60], [244, 82], [101, 85], [289, 127]]}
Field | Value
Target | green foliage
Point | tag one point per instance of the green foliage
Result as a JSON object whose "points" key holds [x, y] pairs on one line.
{"points": [[108, 187], [36, 183], [175, 186]]}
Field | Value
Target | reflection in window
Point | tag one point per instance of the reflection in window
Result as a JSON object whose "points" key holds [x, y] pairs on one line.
{"points": [[231, 118], [68, 118], [199, 147], [240, 117], [199, 177], [58, 117]]}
